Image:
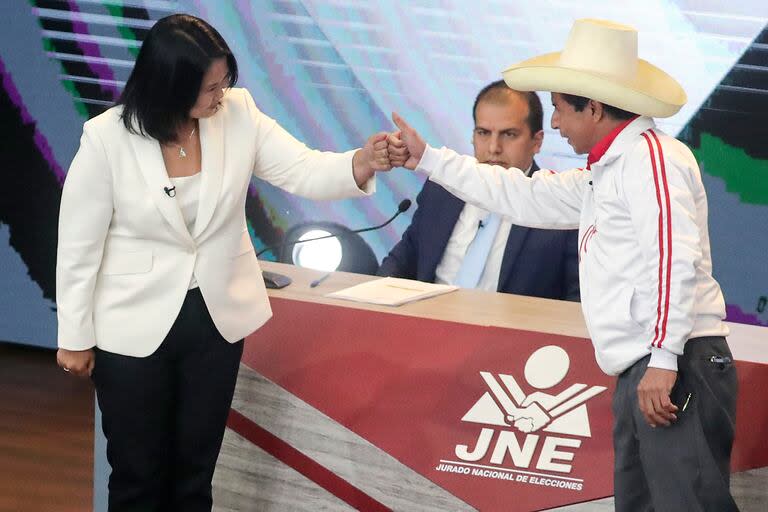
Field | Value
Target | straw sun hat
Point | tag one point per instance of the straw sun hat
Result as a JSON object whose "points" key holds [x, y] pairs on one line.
{"points": [[600, 62]]}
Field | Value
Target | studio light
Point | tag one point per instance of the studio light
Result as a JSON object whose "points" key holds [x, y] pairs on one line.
{"points": [[345, 251], [322, 254]]}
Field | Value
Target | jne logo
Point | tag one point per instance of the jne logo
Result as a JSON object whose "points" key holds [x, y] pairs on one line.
{"points": [[517, 424]]}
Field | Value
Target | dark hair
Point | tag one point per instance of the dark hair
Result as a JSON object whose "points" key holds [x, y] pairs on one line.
{"points": [[496, 90], [579, 102], [166, 79]]}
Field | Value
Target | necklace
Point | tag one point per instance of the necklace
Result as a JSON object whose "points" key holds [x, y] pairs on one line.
{"points": [[182, 153]]}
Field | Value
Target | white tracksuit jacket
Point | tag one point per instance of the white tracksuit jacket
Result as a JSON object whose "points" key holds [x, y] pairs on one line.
{"points": [[641, 209]]}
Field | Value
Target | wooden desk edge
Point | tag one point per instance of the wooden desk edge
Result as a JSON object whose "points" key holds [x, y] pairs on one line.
{"points": [[475, 307]]}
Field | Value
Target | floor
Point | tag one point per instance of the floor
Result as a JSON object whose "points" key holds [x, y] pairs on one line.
{"points": [[46, 434]]}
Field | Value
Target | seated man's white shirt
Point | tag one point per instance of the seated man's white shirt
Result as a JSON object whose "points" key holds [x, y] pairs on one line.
{"points": [[463, 233]]}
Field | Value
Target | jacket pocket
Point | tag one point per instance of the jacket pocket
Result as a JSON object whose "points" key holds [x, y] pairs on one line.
{"points": [[135, 262], [631, 307]]}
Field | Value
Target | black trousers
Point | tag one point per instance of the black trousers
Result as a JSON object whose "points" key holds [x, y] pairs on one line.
{"points": [[686, 466], [164, 415]]}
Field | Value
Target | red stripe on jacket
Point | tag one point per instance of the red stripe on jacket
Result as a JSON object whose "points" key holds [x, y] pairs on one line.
{"points": [[658, 336], [669, 237]]}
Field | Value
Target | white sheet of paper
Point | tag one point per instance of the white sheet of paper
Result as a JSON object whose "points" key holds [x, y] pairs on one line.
{"points": [[391, 291]]}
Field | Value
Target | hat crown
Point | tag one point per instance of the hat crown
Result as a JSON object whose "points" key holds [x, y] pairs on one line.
{"points": [[603, 47]]}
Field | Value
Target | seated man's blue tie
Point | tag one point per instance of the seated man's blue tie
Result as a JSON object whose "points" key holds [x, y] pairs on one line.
{"points": [[473, 264]]}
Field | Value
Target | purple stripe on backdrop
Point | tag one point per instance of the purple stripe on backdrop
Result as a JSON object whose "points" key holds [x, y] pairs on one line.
{"points": [[734, 313], [102, 71], [40, 141]]}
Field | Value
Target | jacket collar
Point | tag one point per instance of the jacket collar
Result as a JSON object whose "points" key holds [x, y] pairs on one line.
{"points": [[152, 168], [618, 141], [212, 167]]}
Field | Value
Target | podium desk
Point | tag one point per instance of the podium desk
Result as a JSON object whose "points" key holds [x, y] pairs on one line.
{"points": [[466, 401]]}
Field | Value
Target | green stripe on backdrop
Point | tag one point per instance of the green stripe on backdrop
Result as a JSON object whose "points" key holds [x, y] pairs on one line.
{"points": [[743, 174]]}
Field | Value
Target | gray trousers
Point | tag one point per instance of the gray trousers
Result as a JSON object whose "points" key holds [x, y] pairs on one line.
{"points": [[686, 466]]}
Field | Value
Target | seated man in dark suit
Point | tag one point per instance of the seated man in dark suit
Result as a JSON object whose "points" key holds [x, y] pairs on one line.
{"points": [[451, 242]]}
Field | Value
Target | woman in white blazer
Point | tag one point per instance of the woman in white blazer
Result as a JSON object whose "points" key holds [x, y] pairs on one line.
{"points": [[157, 281]]}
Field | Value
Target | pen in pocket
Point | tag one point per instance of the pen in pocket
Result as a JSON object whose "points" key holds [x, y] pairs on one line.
{"points": [[687, 400]]}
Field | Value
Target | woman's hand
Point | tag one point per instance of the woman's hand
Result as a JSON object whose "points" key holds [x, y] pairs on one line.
{"points": [[397, 150], [371, 158], [78, 362]]}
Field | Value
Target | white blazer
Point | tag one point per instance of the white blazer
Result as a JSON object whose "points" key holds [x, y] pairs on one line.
{"points": [[125, 256]]}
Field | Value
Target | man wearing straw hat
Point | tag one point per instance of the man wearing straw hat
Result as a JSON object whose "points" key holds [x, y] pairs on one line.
{"points": [[653, 310]]}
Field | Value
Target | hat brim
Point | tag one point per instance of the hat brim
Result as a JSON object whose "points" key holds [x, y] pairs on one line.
{"points": [[651, 93]]}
